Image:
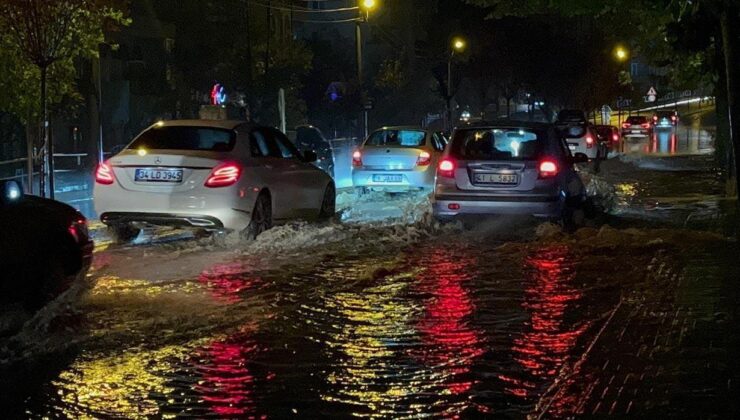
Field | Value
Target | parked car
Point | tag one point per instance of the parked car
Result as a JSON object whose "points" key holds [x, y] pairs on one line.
{"points": [[608, 134], [637, 125], [397, 159], [665, 119], [508, 168], [308, 137], [210, 174], [44, 245]]}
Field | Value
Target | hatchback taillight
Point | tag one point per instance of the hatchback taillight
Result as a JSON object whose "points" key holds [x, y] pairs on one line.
{"points": [[626, 125], [356, 158], [104, 174], [446, 168], [589, 142], [78, 230], [425, 158], [645, 125], [223, 175], [548, 168]]}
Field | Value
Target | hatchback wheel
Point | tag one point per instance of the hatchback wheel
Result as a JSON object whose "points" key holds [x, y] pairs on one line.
{"points": [[261, 218], [328, 204]]}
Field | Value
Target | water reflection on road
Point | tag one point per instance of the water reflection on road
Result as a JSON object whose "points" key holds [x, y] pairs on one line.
{"points": [[443, 330], [681, 140]]}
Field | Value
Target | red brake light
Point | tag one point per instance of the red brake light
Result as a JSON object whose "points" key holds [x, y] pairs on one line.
{"points": [[104, 174], [424, 159], [626, 125], [655, 118], [645, 125], [673, 117], [548, 168], [446, 168], [589, 142], [615, 137], [78, 229], [223, 175], [357, 158]]}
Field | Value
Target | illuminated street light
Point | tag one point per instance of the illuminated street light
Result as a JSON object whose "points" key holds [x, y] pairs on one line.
{"points": [[368, 5], [458, 45], [621, 53]]}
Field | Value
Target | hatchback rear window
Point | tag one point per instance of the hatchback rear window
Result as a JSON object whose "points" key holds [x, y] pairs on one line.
{"points": [[498, 144], [397, 138], [637, 120], [186, 138]]}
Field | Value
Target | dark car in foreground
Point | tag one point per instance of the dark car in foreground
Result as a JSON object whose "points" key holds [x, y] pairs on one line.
{"points": [[508, 168], [44, 246]]}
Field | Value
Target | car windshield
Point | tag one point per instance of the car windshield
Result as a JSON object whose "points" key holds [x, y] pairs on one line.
{"points": [[637, 120], [498, 144], [397, 138], [186, 138]]}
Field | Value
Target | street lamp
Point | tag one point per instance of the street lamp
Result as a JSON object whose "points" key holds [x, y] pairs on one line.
{"points": [[364, 7], [621, 53], [457, 45]]}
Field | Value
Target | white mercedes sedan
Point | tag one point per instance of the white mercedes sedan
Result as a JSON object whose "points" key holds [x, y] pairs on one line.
{"points": [[213, 175]]}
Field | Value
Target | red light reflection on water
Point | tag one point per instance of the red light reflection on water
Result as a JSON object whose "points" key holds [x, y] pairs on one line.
{"points": [[451, 345], [226, 282], [227, 384], [548, 341]]}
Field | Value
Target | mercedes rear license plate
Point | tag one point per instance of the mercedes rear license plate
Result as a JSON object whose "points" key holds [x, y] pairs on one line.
{"points": [[158, 175], [387, 178], [496, 178]]}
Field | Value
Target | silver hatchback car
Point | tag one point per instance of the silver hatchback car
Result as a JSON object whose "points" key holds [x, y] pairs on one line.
{"points": [[397, 159], [508, 168]]}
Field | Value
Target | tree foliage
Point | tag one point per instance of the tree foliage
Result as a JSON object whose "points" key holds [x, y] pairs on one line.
{"points": [[52, 34]]}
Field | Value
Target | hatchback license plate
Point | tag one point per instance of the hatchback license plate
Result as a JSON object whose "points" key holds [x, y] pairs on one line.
{"points": [[635, 131], [158, 175], [387, 178], [496, 178]]}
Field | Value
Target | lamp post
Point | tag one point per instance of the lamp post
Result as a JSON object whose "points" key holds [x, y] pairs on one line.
{"points": [[365, 7], [457, 45], [621, 54]]}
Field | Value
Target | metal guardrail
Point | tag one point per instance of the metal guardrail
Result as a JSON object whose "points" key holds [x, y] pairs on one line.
{"points": [[78, 156]]}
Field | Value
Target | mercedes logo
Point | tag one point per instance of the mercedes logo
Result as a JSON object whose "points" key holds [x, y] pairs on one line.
{"points": [[157, 161]]}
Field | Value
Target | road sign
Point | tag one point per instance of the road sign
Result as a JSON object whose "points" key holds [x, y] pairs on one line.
{"points": [[652, 95]]}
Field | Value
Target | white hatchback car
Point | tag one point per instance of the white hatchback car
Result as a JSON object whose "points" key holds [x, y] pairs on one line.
{"points": [[212, 175], [397, 159]]}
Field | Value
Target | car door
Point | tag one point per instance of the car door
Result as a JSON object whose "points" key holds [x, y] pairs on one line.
{"points": [[268, 168], [303, 182]]}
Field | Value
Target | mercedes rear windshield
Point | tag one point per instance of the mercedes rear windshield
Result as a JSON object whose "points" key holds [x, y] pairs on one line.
{"points": [[498, 144], [186, 138]]}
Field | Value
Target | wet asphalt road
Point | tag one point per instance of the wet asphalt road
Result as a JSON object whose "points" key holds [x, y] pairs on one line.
{"points": [[392, 316]]}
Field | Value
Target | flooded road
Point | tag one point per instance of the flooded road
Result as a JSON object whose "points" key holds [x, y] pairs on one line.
{"points": [[385, 314]]}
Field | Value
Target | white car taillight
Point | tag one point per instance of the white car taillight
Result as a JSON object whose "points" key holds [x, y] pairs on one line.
{"points": [[356, 158], [223, 175], [425, 158], [104, 174]]}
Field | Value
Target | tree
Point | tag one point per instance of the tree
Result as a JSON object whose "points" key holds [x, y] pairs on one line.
{"points": [[49, 35]]}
